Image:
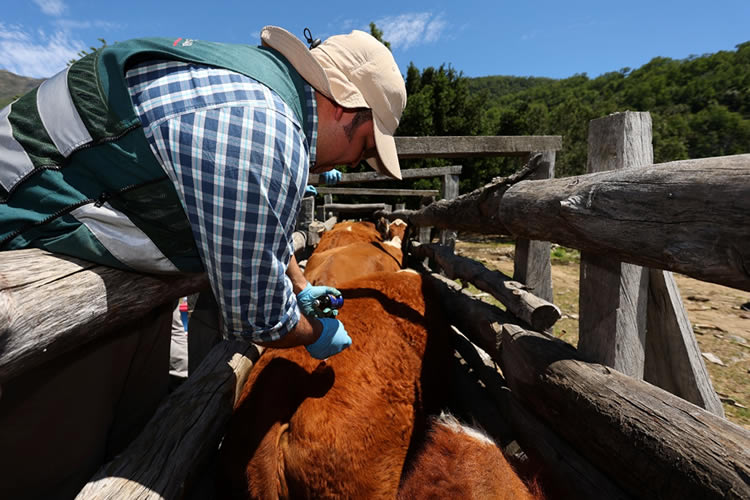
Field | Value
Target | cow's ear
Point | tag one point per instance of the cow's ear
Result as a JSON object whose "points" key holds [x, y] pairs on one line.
{"points": [[382, 227]]}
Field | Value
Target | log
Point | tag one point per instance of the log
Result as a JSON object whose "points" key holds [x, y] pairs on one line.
{"points": [[479, 321], [686, 216], [474, 146], [651, 443], [537, 312], [182, 434], [50, 304]]}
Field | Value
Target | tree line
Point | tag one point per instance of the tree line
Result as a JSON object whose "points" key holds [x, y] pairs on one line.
{"points": [[700, 107]]}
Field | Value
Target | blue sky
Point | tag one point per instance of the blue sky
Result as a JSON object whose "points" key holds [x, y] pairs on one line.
{"points": [[543, 38]]}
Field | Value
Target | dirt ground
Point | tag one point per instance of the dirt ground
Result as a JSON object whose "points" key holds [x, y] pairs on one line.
{"points": [[721, 326]]}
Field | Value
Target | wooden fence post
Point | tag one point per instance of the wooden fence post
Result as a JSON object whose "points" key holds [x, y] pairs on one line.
{"points": [[204, 330], [531, 264], [425, 232], [306, 213], [449, 191], [613, 296]]}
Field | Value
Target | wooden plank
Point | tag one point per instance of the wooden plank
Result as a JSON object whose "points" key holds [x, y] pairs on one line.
{"points": [[50, 304], [531, 261], [379, 191], [536, 312], [673, 358], [651, 443], [183, 433], [613, 296], [473, 146], [450, 191], [354, 207], [411, 173]]}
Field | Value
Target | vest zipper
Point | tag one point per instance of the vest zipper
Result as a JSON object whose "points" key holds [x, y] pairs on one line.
{"points": [[88, 145], [98, 202]]}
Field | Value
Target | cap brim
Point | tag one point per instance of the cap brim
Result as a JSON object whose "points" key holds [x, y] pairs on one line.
{"points": [[299, 56], [386, 162]]}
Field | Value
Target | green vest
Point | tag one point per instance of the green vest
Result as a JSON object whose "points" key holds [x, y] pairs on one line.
{"points": [[77, 176]]}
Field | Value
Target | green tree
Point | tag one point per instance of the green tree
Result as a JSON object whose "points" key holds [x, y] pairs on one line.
{"points": [[378, 34]]}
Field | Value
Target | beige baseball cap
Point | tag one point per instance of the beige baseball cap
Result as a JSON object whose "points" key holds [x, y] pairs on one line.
{"points": [[355, 71]]}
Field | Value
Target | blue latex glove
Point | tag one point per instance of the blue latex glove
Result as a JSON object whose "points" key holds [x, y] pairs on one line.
{"points": [[333, 340], [310, 190], [331, 177], [306, 301]]}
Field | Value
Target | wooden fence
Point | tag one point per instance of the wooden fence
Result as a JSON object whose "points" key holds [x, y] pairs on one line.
{"points": [[602, 431], [686, 216]]}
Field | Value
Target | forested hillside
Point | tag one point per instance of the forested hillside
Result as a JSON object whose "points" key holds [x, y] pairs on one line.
{"points": [[700, 107]]}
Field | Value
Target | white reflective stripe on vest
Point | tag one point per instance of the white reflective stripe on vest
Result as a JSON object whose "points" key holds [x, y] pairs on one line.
{"points": [[123, 239], [59, 115], [14, 161]]}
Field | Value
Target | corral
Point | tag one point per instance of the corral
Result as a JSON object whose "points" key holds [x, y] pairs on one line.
{"points": [[631, 413]]}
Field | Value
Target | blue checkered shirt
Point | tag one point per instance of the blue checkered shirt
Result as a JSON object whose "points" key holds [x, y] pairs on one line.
{"points": [[239, 159]]}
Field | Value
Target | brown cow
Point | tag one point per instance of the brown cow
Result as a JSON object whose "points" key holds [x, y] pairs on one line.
{"points": [[458, 461], [305, 428], [347, 427], [353, 249]]}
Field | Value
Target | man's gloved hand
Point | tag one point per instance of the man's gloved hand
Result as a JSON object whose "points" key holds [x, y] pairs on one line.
{"points": [[310, 190], [333, 340], [331, 177], [306, 300]]}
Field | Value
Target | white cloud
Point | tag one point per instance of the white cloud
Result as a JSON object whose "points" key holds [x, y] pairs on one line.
{"points": [[40, 55], [51, 7], [407, 30]]}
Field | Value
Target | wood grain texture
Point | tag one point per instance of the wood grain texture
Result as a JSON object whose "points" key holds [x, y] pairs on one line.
{"points": [[184, 431], [473, 146], [50, 304], [613, 296], [648, 441], [686, 216]]}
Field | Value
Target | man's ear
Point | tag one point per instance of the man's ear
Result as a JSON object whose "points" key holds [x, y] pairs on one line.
{"points": [[338, 112]]}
